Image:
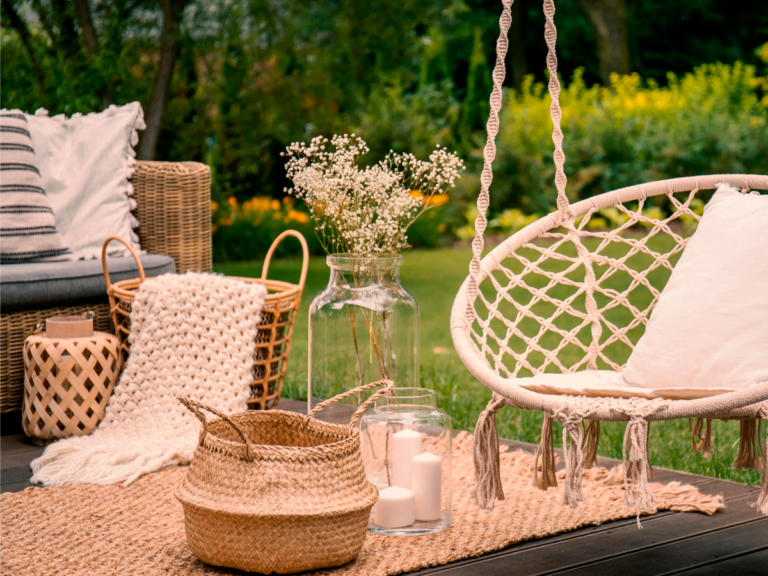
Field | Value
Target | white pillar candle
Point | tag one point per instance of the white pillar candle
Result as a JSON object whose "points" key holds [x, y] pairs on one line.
{"points": [[395, 508], [405, 445], [426, 477]]}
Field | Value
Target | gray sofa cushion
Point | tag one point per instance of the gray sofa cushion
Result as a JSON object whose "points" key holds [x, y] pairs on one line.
{"points": [[47, 284]]}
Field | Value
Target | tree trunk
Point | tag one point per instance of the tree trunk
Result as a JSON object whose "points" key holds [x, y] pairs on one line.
{"points": [[169, 51], [91, 45], [517, 44], [608, 19], [21, 29]]}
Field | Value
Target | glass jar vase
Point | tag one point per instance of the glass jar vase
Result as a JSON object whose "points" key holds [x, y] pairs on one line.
{"points": [[364, 326], [405, 442]]}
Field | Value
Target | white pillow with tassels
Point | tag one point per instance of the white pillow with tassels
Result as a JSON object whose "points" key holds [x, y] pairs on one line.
{"points": [[86, 162]]}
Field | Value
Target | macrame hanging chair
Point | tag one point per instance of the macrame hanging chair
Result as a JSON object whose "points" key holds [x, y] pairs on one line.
{"points": [[499, 350]]}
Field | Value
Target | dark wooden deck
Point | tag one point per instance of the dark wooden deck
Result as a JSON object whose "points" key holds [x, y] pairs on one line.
{"points": [[732, 542]]}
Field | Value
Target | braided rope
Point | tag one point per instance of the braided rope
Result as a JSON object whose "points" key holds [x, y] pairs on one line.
{"points": [[489, 154], [550, 35], [492, 128]]}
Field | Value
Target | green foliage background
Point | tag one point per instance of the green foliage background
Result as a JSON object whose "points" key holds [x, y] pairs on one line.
{"points": [[255, 75]]}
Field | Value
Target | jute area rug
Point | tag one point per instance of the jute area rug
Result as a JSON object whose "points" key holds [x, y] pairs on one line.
{"points": [[139, 530]]}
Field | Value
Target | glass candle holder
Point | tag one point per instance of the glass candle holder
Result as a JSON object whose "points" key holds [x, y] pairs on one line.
{"points": [[405, 440]]}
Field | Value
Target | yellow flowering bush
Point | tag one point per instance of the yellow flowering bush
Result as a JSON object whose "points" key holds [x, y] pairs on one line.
{"points": [[712, 120]]}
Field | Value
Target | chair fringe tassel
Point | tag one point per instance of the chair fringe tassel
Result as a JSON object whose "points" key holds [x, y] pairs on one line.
{"points": [[591, 440], [762, 500], [486, 455], [701, 442], [748, 457], [574, 461], [637, 491], [544, 461]]}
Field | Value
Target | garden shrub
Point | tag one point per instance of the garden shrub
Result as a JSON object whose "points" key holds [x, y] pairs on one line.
{"points": [[712, 120], [246, 231], [707, 122]]}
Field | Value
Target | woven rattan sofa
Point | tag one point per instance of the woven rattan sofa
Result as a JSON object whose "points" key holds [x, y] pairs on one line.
{"points": [[174, 211]]}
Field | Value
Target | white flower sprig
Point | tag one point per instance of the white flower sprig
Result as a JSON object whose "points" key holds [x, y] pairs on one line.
{"points": [[365, 212]]}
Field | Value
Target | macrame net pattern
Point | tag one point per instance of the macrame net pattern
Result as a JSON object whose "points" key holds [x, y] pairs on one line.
{"points": [[553, 305], [564, 295]]}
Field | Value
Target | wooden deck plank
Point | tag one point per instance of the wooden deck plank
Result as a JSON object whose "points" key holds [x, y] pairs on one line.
{"points": [[681, 554], [15, 474], [589, 544], [15, 487], [17, 450], [752, 564]]}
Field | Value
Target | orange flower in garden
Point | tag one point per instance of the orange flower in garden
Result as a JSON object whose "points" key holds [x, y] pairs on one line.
{"points": [[416, 193], [214, 206], [232, 201], [275, 205], [297, 216], [439, 199]]}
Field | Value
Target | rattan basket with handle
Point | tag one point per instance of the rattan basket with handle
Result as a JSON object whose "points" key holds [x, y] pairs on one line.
{"points": [[274, 491], [273, 340]]}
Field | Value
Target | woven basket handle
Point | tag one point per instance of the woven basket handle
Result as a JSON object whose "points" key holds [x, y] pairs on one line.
{"points": [[130, 249], [388, 385], [197, 409], [304, 252]]}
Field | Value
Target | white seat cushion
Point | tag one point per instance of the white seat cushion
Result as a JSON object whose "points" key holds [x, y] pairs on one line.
{"points": [[609, 384]]}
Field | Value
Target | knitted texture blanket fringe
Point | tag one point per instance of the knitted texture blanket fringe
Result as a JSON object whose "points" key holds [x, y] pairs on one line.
{"points": [[192, 334]]}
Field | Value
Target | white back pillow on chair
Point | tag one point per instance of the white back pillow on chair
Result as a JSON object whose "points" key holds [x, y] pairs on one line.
{"points": [[86, 163], [709, 329]]}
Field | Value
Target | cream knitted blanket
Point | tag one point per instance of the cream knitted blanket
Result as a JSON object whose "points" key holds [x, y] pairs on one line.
{"points": [[191, 334]]}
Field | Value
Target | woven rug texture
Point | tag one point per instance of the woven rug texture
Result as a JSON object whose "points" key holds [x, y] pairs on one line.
{"points": [[139, 529]]}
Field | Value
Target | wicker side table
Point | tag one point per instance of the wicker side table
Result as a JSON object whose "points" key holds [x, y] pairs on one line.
{"points": [[67, 383]]}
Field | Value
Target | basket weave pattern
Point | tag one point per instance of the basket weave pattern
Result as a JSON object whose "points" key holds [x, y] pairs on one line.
{"points": [[293, 484], [273, 339], [68, 383], [174, 208]]}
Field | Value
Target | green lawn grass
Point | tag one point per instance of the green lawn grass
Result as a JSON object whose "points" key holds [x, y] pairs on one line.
{"points": [[434, 277]]}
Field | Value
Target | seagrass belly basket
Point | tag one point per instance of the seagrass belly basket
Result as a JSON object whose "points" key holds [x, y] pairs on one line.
{"points": [[274, 491]]}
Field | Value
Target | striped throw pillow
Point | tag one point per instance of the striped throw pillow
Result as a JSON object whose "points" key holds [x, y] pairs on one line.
{"points": [[27, 224]]}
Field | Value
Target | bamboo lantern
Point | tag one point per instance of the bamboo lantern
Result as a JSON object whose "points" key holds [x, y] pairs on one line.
{"points": [[69, 374]]}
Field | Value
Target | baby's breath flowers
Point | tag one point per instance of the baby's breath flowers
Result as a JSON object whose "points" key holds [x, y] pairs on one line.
{"points": [[367, 211]]}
